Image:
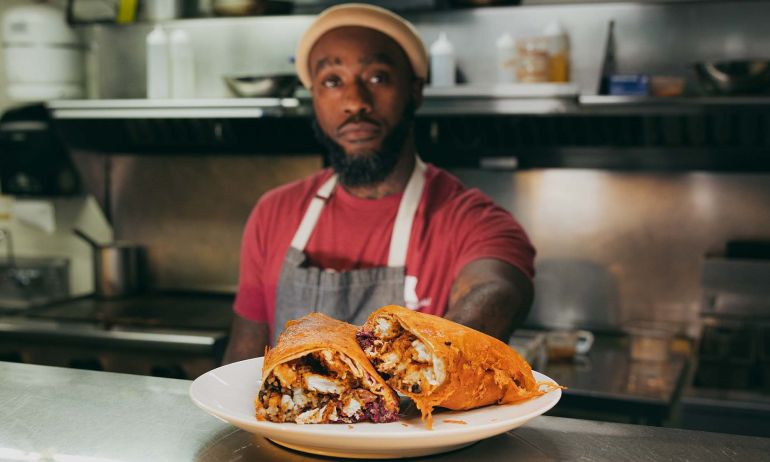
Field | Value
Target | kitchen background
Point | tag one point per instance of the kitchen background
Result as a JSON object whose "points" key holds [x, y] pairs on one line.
{"points": [[618, 244]]}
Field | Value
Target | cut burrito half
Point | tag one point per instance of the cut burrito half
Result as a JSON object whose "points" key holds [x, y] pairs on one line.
{"points": [[317, 373], [437, 362]]}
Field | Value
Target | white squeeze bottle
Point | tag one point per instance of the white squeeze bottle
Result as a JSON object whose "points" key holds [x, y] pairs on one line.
{"points": [[157, 64], [442, 62], [506, 59], [182, 65]]}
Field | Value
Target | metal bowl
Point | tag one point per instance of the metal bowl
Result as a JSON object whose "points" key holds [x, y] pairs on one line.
{"points": [[264, 86], [737, 77]]}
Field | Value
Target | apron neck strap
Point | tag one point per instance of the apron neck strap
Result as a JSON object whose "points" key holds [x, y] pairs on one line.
{"points": [[407, 208], [313, 212], [402, 229]]}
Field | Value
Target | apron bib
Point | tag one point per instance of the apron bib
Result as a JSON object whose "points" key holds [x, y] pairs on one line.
{"points": [[347, 295]]}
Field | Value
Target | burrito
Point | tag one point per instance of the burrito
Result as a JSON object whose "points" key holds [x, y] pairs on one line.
{"points": [[437, 362], [317, 373]]}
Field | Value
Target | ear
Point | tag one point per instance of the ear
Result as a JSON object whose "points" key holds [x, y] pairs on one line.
{"points": [[416, 89]]}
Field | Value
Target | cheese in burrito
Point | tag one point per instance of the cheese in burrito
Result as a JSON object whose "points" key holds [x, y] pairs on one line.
{"points": [[317, 373], [437, 362]]}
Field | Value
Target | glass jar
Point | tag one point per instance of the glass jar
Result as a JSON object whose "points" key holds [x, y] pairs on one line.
{"points": [[534, 62]]}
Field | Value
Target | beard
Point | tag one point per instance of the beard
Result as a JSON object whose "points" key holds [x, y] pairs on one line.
{"points": [[372, 167]]}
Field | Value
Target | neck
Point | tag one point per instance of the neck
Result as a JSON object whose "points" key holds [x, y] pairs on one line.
{"points": [[395, 182]]}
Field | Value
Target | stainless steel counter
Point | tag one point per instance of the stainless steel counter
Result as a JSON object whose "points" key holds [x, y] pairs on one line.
{"points": [[49, 413], [180, 335], [609, 381]]}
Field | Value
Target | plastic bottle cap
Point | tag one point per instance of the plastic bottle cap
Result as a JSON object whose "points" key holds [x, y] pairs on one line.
{"points": [[442, 45], [157, 35], [179, 36]]}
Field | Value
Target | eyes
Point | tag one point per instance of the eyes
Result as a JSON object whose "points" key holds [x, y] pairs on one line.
{"points": [[333, 80]]}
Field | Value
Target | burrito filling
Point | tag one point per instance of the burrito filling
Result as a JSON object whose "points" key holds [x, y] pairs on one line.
{"points": [[404, 361], [322, 387]]}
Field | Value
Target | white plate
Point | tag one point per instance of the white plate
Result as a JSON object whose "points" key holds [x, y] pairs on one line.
{"points": [[228, 392]]}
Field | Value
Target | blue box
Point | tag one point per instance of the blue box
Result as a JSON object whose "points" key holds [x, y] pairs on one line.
{"points": [[629, 85]]}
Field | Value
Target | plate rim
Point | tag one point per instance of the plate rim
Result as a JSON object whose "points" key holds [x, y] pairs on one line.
{"points": [[289, 428]]}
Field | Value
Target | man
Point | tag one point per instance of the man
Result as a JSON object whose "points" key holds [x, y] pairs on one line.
{"points": [[380, 227]]}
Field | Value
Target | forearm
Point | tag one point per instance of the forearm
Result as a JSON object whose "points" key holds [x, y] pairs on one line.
{"points": [[494, 305], [248, 339]]}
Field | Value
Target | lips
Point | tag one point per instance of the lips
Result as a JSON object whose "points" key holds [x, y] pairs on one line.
{"points": [[356, 132]]}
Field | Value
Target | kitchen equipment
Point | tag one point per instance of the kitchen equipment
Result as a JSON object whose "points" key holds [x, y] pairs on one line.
{"points": [[467, 3], [33, 160], [735, 77], [119, 267], [650, 341], [565, 344], [252, 7], [161, 10], [238, 7], [28, 282], [43, 55], [103, 11], [530, 344], [169, 334], [256, 86]]}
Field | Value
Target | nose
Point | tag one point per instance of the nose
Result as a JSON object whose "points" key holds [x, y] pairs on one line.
{"points": [[358, 98]]}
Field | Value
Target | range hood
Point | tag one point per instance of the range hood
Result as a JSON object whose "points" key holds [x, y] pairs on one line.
{"points": [[266, 125], [549, 126], [461, 99]]}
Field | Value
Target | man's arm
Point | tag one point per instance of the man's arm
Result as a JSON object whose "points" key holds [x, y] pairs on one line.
{"points": [[491, 296], [248, 339]]}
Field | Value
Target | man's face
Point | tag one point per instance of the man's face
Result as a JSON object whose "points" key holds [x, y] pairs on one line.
{"points": [[364, 96]]}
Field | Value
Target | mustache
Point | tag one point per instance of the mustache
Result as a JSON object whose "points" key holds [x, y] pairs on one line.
{"points": [[357, 119]]}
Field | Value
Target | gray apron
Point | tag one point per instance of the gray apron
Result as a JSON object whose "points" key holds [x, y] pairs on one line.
{"points": [[348, 295]]}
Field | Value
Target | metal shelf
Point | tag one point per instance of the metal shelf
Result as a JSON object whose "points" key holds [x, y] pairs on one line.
{"points": [[523, 99], [457, 100], [177, 108], [608, 100]]}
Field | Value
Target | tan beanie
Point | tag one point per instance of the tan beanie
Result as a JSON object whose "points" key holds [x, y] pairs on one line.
{"points": [[362, 15]]}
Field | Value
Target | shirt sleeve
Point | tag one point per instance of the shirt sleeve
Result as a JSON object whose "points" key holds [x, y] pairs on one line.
{"points": [[250, 300], [486, 230]]}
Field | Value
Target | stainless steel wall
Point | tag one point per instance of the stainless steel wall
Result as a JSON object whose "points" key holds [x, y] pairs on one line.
{"points": [[651, 38], [189, 210], [612, 246], [621, 246]]}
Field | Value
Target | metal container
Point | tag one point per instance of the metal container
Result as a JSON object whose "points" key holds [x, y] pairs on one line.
{"points": [[252, 86], [119, 267], [737, 77], [118, 270]]}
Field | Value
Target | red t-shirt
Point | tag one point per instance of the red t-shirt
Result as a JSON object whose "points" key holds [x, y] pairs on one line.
{"points": [[453, 226]]}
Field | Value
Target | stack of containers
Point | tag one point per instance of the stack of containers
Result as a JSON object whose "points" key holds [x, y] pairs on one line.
{"points": [[44, 57]]}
